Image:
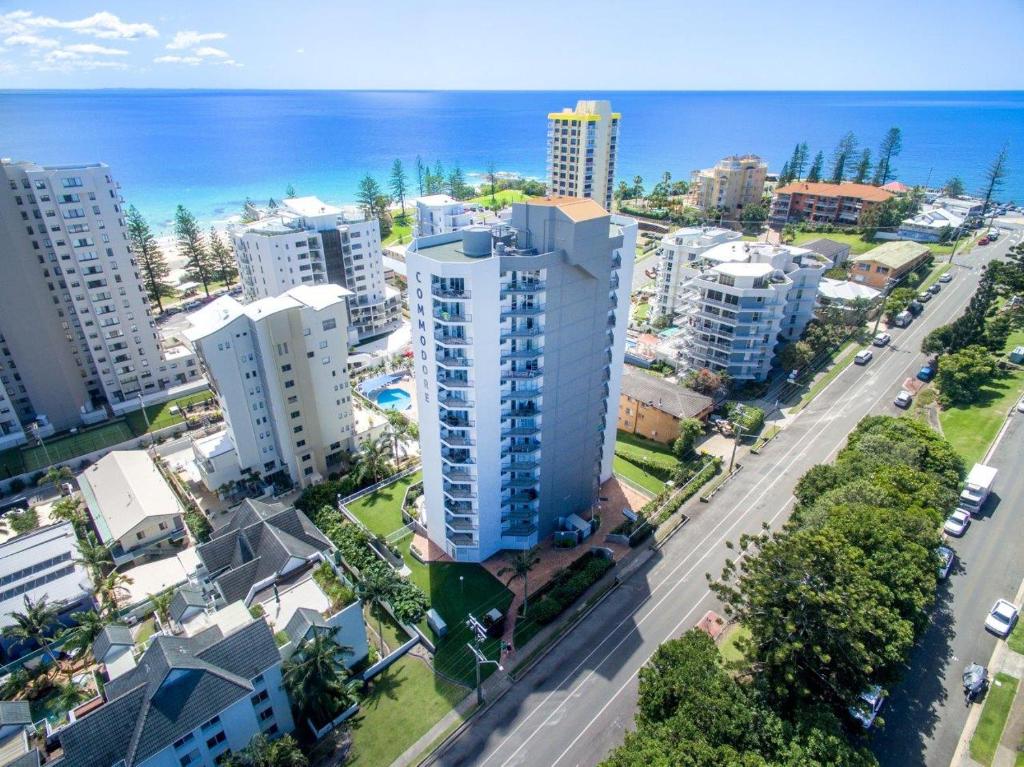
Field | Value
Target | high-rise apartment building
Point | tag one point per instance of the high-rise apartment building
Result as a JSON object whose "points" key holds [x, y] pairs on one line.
{"points": [[280, 369], [519, 336], [304, 241], [745, 299], [733, 184], [582, 145], [679, 256], [74, 316]]}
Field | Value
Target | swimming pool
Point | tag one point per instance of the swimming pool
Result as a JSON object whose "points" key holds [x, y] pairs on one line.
{"points": [[392, 398]]}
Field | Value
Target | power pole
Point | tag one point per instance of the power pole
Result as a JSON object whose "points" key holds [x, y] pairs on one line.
{"points": [[479, 634]]}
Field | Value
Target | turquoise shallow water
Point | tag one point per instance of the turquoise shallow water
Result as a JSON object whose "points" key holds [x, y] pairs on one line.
{"points": [[393, 399], [211, 149]]}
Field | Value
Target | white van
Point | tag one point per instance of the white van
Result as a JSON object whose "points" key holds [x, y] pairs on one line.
{"points": [[976, 490]]}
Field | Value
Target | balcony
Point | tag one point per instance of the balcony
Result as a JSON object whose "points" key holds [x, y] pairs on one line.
{"points": [[440, 291], [451, 382], [522, 287], [456, 459], [451, 340], [519, 484], [521, 333], [456, 440], [453, 362], [458, 491], [457, 475], [523, 465], [450, 401], [453, 317], [457, 423], [462, 539], [519, 531], [521, 354], [460, 525], [521, 311], [521, 394], [460, 508], [522, 498], [522, 375], [523, 448], [521, 431]]}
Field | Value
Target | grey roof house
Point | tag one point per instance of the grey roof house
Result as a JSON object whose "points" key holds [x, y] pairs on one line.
{"points": [[16, 750], [834, 251], [187, 702], [262, 544]]}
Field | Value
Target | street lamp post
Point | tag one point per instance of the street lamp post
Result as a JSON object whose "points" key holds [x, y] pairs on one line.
{"points": [[479, 633], [35, 433]]}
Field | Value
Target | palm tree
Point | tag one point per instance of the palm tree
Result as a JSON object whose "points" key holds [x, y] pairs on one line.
{"points": [[399, 430], [375, 589], [68, 696], [316, 678], [94, 556], [263, 752], [519, 566], [162, 604], [55, 475], [90, 625], [36, 624], [111, 588], [69, 510], [372, 463]]}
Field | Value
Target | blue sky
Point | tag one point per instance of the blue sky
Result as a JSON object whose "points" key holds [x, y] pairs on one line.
{"points": [[529, 44]]}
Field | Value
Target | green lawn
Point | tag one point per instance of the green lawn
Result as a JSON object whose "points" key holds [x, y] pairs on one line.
{"points": [[405, 701], [400, 233], [505, 197], [642, 312], [160, 416], [382, 511], [11, 463], [936, 271], [394, 635], [146, 629], [1016, 639], [993, 718], [638, 447], [70, 446], [728, 649], [637, 476], [454, 599], [856, 243], [971, 428]]}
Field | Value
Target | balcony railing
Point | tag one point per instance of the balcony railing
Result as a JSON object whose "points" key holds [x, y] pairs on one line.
{"points": [[457, 423], [453, 383], [521, 394], [521, 311], [523, 375], [448, 340], [522, 287], [443, 292], [454, 362], [521, 354], [521, 332], [456, 440], [453, 317], [451, 401]]}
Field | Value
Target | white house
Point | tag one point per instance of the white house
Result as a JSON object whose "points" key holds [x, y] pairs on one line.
{"points": [[930, 225], [439, 214]]}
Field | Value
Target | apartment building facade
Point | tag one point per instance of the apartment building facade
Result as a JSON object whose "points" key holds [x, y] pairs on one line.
{"points": [[844, 204], [731, 185], [440, 214], [746, 299], [582, 147], [679, 259], [519, 336], [75, 319], [304, 241], [279, 367]]}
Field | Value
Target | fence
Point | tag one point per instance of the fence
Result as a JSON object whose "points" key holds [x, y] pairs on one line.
{"points": [[384, 663]]}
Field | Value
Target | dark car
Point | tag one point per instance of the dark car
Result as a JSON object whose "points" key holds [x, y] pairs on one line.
{"points": [[915, 307], [934, 289], [926, 373]]}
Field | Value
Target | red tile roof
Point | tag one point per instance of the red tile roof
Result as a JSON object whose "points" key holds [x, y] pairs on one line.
{"points": [[820, 189]]}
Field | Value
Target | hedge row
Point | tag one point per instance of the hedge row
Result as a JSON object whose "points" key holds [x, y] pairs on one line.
{"points": [[701, 478], [568, 586], [662, 472]]}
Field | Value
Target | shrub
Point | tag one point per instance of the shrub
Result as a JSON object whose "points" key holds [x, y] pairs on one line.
{"points": [[23, 521], [567, 586], [748, 417], [658, 470], [199, 525]]}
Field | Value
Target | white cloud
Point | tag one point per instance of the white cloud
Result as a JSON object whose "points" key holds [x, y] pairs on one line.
{"points": [[91, 49], [104, 25], [300, 50], [191, 38], [208, 52], [192, 60], [30, 40]]}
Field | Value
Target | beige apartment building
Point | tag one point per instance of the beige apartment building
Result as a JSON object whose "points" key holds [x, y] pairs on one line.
{"points": [[582, 145], [733, 184]]}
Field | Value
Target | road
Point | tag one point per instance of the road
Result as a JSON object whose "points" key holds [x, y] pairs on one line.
{"points": [[925, 714], [574, 705]]}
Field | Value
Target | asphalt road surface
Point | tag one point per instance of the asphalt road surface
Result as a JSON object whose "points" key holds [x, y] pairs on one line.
{"points": [[574, 705]]}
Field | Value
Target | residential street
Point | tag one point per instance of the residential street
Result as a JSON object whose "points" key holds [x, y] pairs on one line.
{"points": [[574, 705]]}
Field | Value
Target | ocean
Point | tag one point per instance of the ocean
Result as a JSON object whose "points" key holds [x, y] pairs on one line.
{"points": [[209, 150]]}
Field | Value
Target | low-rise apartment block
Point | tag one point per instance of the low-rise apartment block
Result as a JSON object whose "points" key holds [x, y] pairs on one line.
{"points": [[747, 298], [304, 241], [651, 407], [731, 185], [279, 367], [933, 225], [885, 265], [822, 203], [78, 336], [582, 147], [679, 256], [440, 214], [519, 337]]}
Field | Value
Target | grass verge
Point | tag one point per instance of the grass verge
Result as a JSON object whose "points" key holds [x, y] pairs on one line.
{"points": [[971, 428], [637, 476], [829, 376], [993, 718], [632, 446], [381, 511], [405, 701], [730, 652]]}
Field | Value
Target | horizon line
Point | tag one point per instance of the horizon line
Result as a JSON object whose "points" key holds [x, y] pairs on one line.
{"points": [[505, 90]]}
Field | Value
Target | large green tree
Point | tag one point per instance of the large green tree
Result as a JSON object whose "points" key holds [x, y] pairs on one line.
{"points": [[520, 564], [963, 373], [150, 258], [863, 167], [264, 752], [36, 622], [222, 259], [316, 679], [198, 264], [399, 183], [995, 177], [891, 146], [843, 157], [817, 165]]}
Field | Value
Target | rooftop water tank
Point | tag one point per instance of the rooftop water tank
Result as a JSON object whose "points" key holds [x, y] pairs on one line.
{"points": [[476, 241]]}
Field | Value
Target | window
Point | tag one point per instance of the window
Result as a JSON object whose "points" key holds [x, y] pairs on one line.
{"points": [[297, 430], [192, 757], [285, 368], [216, 740], [330, 324], [259, 697], [183, 740], [289, 384], [140, 535], [295, 413], [162, 525]]}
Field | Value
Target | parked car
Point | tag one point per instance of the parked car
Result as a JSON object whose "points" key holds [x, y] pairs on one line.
{"points": [[1002, 618], [1020, 405], [935, 289], [984, 241], [926, 373], [904, 399], [192, 305], [947, 277], [947, 558], [957, 523], [867, 708], [915, 307], [882, 339], [924, 296], [903, 319], [864, 356]]}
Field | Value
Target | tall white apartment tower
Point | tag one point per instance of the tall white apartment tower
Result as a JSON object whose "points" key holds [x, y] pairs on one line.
{"points": [[304, 241], [74, 316], [679, 260], [280, 369], [519, 335], [582, 145]]}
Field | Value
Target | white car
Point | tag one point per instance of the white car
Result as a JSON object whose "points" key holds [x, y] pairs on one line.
{"points": [[1020, 405], [863, 357], [1002, 618], [867, 708], [947, 558], [903, 399], [947, 277], [882, 339], [957, 523]]}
